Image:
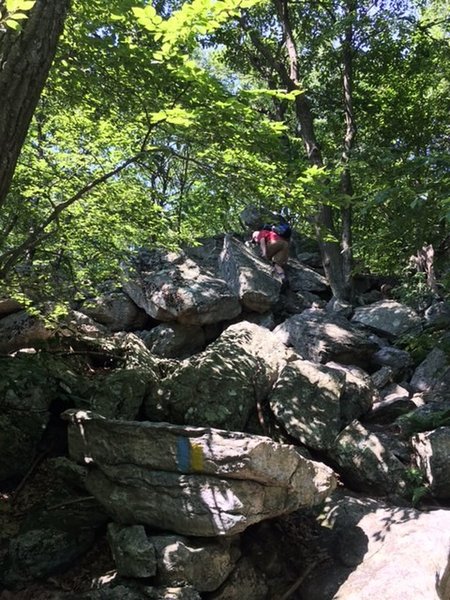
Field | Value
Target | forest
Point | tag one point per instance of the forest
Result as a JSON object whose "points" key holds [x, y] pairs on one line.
{"points": [[126, 125], [178, 420]]}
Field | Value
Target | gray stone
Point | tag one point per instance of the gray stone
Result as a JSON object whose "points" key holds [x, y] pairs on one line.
{"points": [[305, 279], [381, 552], [133, 553], [382, 377], [21, 330], [248, 276], [172, 287], [174, 340], [320, 337], [359, 392], [203, 564], [432, 449], [366, 461], [26, 392], [429, 371], [388, 356], [193, 481], [115, 310], [9, 306], [438, 315], [220, 386], [245, 582], [306, 400], [387, 317]]}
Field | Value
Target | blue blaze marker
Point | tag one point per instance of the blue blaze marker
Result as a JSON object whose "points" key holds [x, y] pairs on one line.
{"points": [[183, 454]]}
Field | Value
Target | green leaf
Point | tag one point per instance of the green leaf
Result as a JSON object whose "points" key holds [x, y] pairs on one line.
{"points": [[12, 24]]}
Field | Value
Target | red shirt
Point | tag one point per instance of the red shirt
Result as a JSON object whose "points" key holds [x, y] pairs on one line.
{"points": [[269, 236]]}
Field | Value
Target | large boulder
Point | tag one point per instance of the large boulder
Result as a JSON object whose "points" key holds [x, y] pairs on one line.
{"points": [[306, 401], [220, 386], [115, 310], [248, 276], [172, 287], [387, 317], [429, 371], [432, 449], [359, 392], [191, 480], [22, 330], [304, 279], [380, 551], [321, 337], [366, 461]]}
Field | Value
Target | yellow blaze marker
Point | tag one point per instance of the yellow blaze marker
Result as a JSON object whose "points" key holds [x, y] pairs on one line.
{"points": [[196, 457]]}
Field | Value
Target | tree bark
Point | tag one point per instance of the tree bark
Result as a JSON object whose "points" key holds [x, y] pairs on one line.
{"points": [[25, 60]]}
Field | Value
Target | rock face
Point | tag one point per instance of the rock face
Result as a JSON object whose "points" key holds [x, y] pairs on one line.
{"points": [[367, 462], [192, 481]]}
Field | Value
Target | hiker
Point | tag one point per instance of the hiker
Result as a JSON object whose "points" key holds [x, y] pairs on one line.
{"points": [[274, 244]]}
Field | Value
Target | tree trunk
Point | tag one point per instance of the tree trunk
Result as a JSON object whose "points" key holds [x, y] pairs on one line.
{"points": [[25, 58], [350, 133], [332, 259]]}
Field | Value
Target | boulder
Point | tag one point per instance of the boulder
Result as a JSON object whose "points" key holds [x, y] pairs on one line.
{"points": [[432, 449], [203, 564], [174, 340], [133, 553], [306, 401], [438, 315], [381, 551], [248, 276], [115, 310], [321, 337], [304, 279], [172, 287], [387, 317], [9, 306], [191, 480], [366, 462], [429, 371], [244, 582], [359, 392], [400, 361], [26, 391], [22, 330], [220, 386]]}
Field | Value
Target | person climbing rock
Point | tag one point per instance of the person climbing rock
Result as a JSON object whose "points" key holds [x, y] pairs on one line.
{"points": [[274, 244]]}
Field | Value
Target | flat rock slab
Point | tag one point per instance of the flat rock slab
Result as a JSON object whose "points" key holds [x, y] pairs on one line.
{"points": [[382, 552], [192, 480]]}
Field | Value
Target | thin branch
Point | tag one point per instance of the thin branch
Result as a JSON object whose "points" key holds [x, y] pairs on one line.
{"points": [[10, 257]]}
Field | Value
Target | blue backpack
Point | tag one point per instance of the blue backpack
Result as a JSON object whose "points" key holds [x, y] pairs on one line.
{"points": [[282, 229]]}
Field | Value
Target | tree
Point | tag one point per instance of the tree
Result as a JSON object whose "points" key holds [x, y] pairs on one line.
{"points": [[26, 55]]}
